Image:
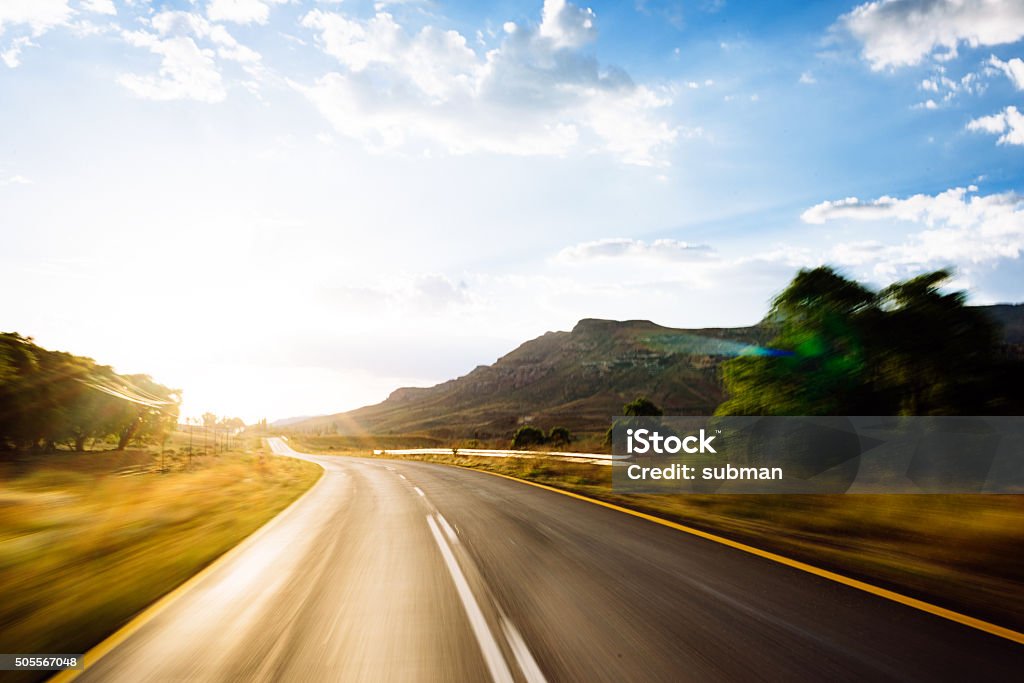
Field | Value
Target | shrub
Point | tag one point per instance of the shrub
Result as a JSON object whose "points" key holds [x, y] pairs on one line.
{"points": [[559, 436], [527, 436]]}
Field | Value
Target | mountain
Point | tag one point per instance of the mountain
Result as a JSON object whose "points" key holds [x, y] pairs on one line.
{"points": [[576, 379], [1011, 318], [579, 380]]}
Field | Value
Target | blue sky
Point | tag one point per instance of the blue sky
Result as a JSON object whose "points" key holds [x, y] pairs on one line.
{"points": [[295, 207]]}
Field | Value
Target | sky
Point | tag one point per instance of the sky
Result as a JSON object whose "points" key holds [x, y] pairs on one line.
{"points": [[292, 208]]}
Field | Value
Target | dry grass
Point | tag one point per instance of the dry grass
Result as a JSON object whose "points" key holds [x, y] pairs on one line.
{"points": [[333, 444], [964, 552], [88, 540]]}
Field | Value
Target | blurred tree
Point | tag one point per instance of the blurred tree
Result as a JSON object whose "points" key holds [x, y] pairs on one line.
{"points": [[149, 410], [91, 413], [841, 349], [938, 354], [822, 322], [559, 436], [527, 436], [51, 397], [641, 406]]}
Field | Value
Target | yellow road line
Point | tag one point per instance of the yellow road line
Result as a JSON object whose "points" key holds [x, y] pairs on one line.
{"points": [[942, 612], [153, 611]]}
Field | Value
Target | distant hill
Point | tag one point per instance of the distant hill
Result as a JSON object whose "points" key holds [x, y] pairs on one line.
{"points": [[577, 379], [1011, 318]]}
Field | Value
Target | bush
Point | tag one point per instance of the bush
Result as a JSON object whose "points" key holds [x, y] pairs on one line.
{"points": [[641, 406], [527, 436], [559, 436]]}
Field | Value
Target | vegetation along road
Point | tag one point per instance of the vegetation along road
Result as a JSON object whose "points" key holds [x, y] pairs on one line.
{"points": [[397, 570]]}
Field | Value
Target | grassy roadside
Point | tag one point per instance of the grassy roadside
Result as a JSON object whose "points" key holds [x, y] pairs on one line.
{"points": [[333, 443], [961, 552], [88, 540]]}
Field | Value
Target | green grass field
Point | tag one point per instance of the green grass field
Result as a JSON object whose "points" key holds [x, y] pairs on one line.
{"points": [[87, 540]]}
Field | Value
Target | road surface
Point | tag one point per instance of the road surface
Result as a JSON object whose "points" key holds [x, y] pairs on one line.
{"points": [[406, 571]]}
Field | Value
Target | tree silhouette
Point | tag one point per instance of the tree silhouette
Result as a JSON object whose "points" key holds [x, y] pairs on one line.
{"points": [[527, 436], [559, 436], [842, 349], [50, 397]]}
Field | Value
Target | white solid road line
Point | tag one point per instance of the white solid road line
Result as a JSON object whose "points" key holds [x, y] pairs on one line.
{"points": [[420, 491], [488, 645], [402, 476], [527, 664], [452, 536]]}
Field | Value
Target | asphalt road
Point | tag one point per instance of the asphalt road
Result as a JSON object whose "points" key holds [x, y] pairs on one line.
{"points": [[405, 571]]}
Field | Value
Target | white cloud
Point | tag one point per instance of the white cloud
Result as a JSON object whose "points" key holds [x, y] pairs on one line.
{"points": [[381, 124], [534, 94], [39, 15], [851, 207], [1013, 68], [945, 89], [14, 179], [433, 292], [188, 70], [379, 5], [35, 16], [12, 55], [100, 7], [958, 227], [618, 247], [567, 25], [238, 11], [1008, 124], [807, 78], [438, 62], [897, 33]]}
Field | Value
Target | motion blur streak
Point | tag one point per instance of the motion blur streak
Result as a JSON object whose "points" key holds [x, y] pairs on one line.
{"points": [[349, 584], [488, 645]]}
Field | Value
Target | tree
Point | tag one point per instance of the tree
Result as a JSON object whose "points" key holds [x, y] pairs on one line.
{"points": [[149, 410], [49, 397], [527, 436], [559, 436], [818, 363], [842, 349], [91, 413], [25, 407], [640, 406], [939, 355]]}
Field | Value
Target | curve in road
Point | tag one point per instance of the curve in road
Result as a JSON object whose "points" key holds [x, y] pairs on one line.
{"points": [[408, 571]]}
